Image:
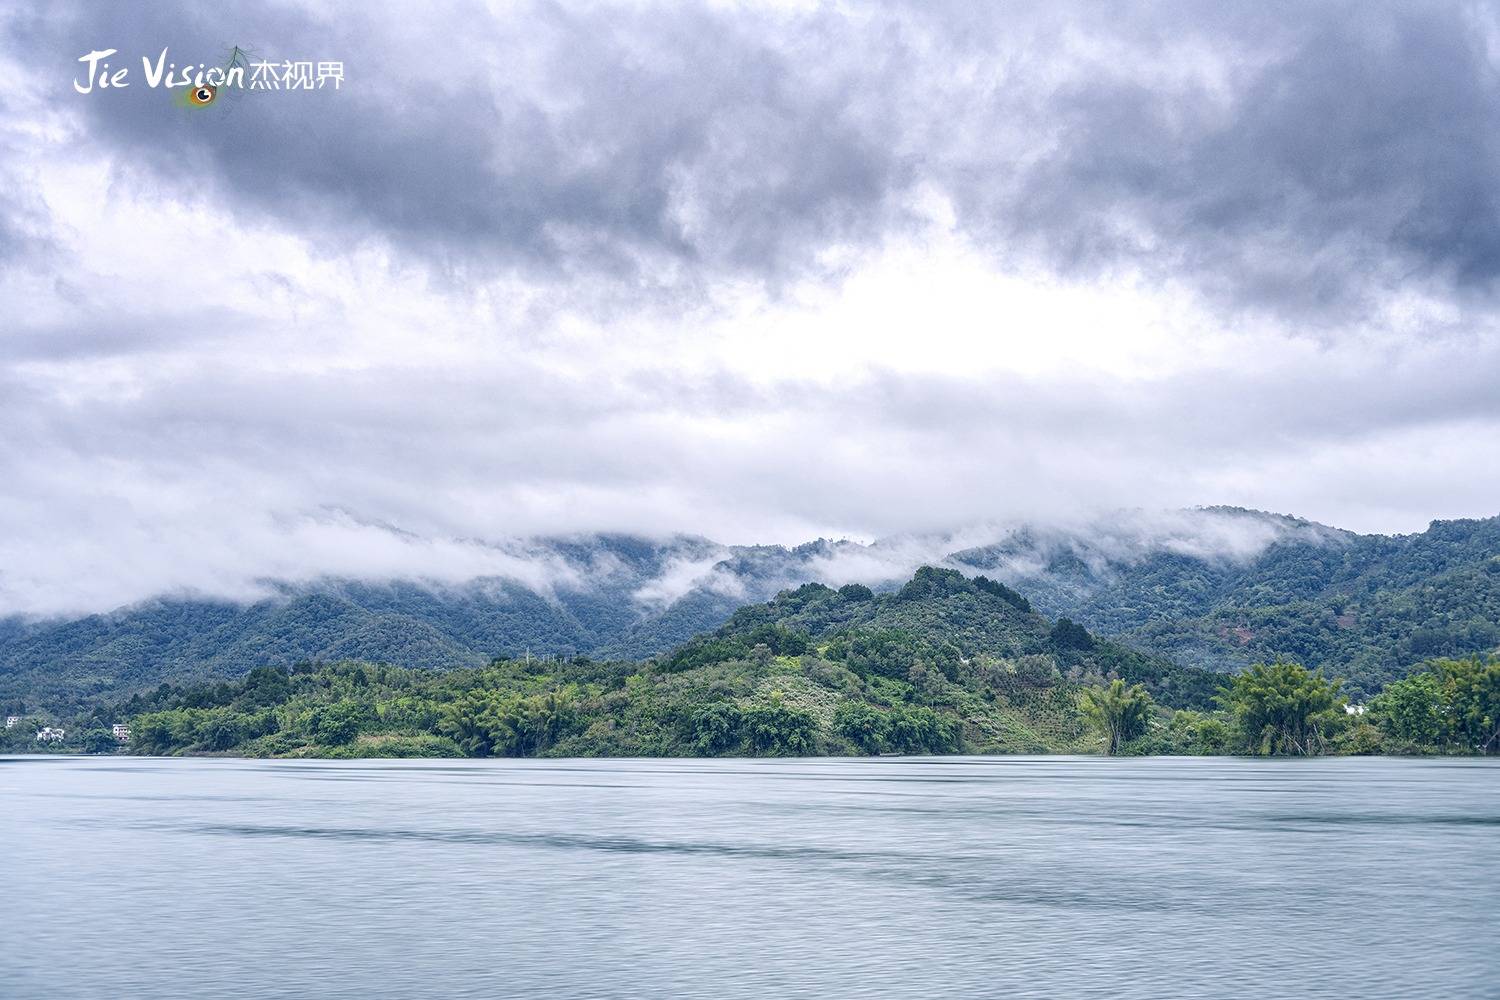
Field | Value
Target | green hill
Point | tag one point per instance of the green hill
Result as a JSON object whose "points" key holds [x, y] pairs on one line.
{"points": [[945, 663], [610, 601], [1364, 607], [1214, 589], [941, 621]]}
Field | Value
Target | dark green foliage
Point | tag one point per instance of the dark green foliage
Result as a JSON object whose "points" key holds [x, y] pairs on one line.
{"points": [[265, 686], [66, 664], [1036, 670], [219, 729], [864, 726], [945, 664], [937, 622], [1366, 606], [930, 582], [808, 593], [99, 741], [197, 730], [1470, 699], [856, 592], [816, 670], [730, 643], [915, 729], [909, 729], [21, 737], [718, 729], [776, 730], [1283, 709], [890, 652], [339, 723], [1066, 636], [490, 724], [1445, 706], [1186, 733], [1003, 592]]}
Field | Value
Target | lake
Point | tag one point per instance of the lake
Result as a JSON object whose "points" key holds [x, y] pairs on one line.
{"points": [[916, 877]]}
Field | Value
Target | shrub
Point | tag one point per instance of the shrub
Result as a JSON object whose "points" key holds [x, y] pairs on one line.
{"points": [[716, 729], [778, 731], [339, 723], [862, 725], [914, 729]]}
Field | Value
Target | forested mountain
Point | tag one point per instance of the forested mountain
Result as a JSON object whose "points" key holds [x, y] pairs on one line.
{"points": [[608, 596], [943, 664], [941, 621], [946, 663], [1216, 588], [1365, 607]]}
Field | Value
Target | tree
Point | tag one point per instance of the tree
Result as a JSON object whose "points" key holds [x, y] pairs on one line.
{"points": [[100, 741], [264, 686], [781, 731], [218, 729], [1121, 712], [465, 721], [531, 725], [1412, 709], [158, 732], [512, 725], [1472, 690], [863, 725], [914, 729], [339, 723], [716, 729], [1069, 635], [1190, 732], [1283, 709], [1003, 592], [21, 736]]}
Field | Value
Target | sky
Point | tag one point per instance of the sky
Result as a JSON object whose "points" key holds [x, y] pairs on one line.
{"points": [[760, 273]]}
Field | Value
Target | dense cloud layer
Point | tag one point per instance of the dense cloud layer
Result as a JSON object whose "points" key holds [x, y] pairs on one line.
{"points": [[753, 273], [1281, 155]]}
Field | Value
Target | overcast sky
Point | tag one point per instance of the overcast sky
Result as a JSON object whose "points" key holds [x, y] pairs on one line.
{"points": [[760, 273]]}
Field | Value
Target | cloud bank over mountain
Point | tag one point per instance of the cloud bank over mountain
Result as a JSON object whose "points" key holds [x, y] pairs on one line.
{"points": [[752, 274]]}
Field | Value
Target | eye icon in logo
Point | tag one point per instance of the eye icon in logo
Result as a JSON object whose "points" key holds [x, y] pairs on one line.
{"points": [[203, 96]]}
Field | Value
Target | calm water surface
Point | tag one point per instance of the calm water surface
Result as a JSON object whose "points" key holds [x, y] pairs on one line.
{"points": [[951, 877]]}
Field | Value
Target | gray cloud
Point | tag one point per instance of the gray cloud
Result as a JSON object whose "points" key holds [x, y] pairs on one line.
{"points": [[677, 142], [1361, 149], [1303, 157]]}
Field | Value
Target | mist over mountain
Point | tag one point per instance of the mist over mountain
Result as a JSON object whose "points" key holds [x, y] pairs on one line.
{"points": [[1210, 587], [1364, 607]]}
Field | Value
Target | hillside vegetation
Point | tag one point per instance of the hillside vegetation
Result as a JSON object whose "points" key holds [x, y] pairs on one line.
{"points": [[602, 605], [1365, 607], [944, 664]]}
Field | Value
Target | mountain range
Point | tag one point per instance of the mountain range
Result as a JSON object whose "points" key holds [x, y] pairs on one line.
{"points": [[1213, 588]]}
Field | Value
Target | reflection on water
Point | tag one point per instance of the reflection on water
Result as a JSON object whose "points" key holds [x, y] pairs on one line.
{"points": [[944, 877]]}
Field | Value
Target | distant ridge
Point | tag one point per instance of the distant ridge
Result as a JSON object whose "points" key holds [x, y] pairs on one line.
{"points": [[1214, 587]]}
